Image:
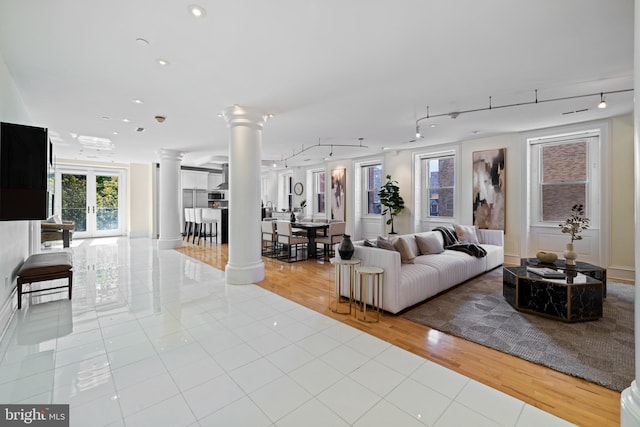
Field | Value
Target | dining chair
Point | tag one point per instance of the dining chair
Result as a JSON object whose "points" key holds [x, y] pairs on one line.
{"points": [[269, 239], [334, 234], [288, 240]]}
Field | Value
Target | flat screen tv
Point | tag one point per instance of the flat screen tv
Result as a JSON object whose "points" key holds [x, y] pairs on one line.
{"points": [[23, 172]]}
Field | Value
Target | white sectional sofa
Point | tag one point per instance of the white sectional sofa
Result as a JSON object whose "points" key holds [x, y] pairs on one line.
{"points": [[409, 282]]}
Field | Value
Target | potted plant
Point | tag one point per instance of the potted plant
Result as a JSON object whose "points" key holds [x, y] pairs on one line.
{"points": [[391, 199], [574, 225]]}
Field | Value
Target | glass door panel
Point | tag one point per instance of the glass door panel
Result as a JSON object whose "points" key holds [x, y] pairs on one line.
{"points": [[74, 200], [107, 210], [92, 200]]}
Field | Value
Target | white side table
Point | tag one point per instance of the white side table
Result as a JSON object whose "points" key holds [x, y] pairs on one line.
{"points": [[373, 276], [340, 266]]}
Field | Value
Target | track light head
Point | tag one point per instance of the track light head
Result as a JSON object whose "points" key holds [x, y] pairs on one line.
{"points": [[603, 103], [418, 132]]}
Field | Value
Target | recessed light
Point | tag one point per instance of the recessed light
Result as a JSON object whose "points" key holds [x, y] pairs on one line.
{"points": [[142, 42], [162, 62], [137, 101], [115, 133], [125, 120], [432, 125], [197, 11]]}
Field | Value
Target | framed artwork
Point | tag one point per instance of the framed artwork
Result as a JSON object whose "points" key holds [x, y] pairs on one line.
{"points": [[338, 193], [489, 176]]}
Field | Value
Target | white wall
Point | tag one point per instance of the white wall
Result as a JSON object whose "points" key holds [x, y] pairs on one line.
{"points": [[12, 109], [619, 236]]}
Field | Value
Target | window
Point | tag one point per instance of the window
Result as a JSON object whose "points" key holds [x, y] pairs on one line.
{"points": [[318, 192], [372, 184], [563, 178], [289, 191], [439, 174]]}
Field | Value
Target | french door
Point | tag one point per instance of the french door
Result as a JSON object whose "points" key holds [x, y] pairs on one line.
{"points": [[91, 198]]}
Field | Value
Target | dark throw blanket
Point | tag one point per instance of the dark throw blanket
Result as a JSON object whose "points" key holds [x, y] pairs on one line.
{"points": [[451, 242]]}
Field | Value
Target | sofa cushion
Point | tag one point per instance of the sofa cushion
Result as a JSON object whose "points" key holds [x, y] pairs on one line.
{"points": [[383, 243], [408, 248], [429, 244], [466, 234]]}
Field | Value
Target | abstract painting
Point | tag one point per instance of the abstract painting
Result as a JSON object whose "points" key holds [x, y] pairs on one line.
{"points": [[489, 176], [338, 193]]}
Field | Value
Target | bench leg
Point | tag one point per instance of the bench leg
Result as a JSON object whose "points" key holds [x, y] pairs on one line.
{"points": [[65, 238], [70, 282], [19, 294]]}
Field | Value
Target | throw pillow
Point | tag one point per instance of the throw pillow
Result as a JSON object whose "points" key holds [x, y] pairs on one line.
{"points": [[370, 243], [407, 256], [383, 243], [466, 234], [429, 244]]}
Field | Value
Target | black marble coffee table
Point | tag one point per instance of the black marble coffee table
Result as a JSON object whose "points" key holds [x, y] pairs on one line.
{"points": [[574, 298], [585, 268]]}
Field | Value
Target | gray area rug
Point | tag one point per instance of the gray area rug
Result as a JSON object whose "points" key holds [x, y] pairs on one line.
{"points": [[600, 351]]}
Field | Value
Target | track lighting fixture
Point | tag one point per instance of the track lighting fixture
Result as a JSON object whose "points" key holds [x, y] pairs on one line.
{"points": [[455, 114], [320, 144], [603, 103]]}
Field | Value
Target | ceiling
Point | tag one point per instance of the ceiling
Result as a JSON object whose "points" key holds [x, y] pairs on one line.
{"points": [[330, 71]]}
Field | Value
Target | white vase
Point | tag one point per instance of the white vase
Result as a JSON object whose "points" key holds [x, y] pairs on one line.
{"points": [[570, 255]]}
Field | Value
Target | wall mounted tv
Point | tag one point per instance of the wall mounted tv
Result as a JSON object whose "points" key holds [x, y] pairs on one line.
{"points": [[23, 172]]}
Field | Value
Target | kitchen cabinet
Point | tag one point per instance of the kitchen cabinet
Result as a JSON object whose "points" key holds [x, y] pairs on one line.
{"points": [[195, 180]]}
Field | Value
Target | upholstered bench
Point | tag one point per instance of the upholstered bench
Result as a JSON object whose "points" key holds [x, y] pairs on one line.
{"points": [[45, 266]]}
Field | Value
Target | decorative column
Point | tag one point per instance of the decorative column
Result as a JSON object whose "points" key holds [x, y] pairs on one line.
{"points": [[244, 265], [169, 206], [630, 397]]}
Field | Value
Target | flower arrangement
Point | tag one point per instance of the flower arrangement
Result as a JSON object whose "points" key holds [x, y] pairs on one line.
{"points": [[576, 223], [303, 204]]}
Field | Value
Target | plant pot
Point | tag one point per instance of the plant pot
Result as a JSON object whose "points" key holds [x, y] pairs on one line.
{"points": [[570, 255], [345, 248]]}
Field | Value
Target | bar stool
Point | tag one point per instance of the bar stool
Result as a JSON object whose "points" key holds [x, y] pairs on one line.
{"points": [[374, 276], [340, 265], [189, 218], [208, 220], [197, 224]]}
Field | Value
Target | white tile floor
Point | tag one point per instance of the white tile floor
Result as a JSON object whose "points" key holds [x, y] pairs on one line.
{"points": [[155, 338]]}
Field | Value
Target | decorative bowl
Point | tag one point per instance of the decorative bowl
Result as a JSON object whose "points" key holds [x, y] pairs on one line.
{"points": [[546, 257]]}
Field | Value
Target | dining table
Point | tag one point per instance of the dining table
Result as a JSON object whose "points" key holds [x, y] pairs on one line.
{"points": [[312, 229]]}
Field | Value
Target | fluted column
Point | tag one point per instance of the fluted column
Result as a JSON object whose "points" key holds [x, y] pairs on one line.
{"points": [[244, 265], [169, 215], [630, 397]]}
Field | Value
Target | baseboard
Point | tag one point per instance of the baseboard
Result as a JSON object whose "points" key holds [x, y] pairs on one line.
{"points": [[7, 312], [621, 273], [139, 235]]}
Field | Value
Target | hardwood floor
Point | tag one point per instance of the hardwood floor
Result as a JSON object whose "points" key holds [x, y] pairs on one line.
{"points": [[310, 283]]}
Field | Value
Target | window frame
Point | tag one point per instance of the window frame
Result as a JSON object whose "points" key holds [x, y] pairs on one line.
{"points": [[317, 192], [366, 190], [592, 182], [425, 212]]}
